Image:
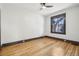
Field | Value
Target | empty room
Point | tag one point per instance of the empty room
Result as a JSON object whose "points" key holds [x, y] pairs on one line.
{"points": [[39, 29]]}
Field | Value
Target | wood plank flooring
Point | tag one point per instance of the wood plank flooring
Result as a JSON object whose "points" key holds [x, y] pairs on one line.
{"points": [[41, 47]]}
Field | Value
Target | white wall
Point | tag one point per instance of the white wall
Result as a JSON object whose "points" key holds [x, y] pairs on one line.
{"points": [[72, 24], [0, 27], [19, 24]]}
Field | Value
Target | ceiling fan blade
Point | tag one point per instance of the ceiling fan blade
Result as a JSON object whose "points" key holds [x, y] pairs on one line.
{"points": [[44, 5], [49, 6]]}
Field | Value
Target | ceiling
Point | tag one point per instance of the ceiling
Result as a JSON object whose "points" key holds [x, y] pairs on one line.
{"points": [[35, 7]]}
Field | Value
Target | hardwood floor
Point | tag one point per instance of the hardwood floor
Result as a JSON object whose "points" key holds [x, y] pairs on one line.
{"points": [[41, 47]]}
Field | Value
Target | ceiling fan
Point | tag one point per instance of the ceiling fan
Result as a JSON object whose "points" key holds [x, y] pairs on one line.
{"points": [[45, 5]]}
